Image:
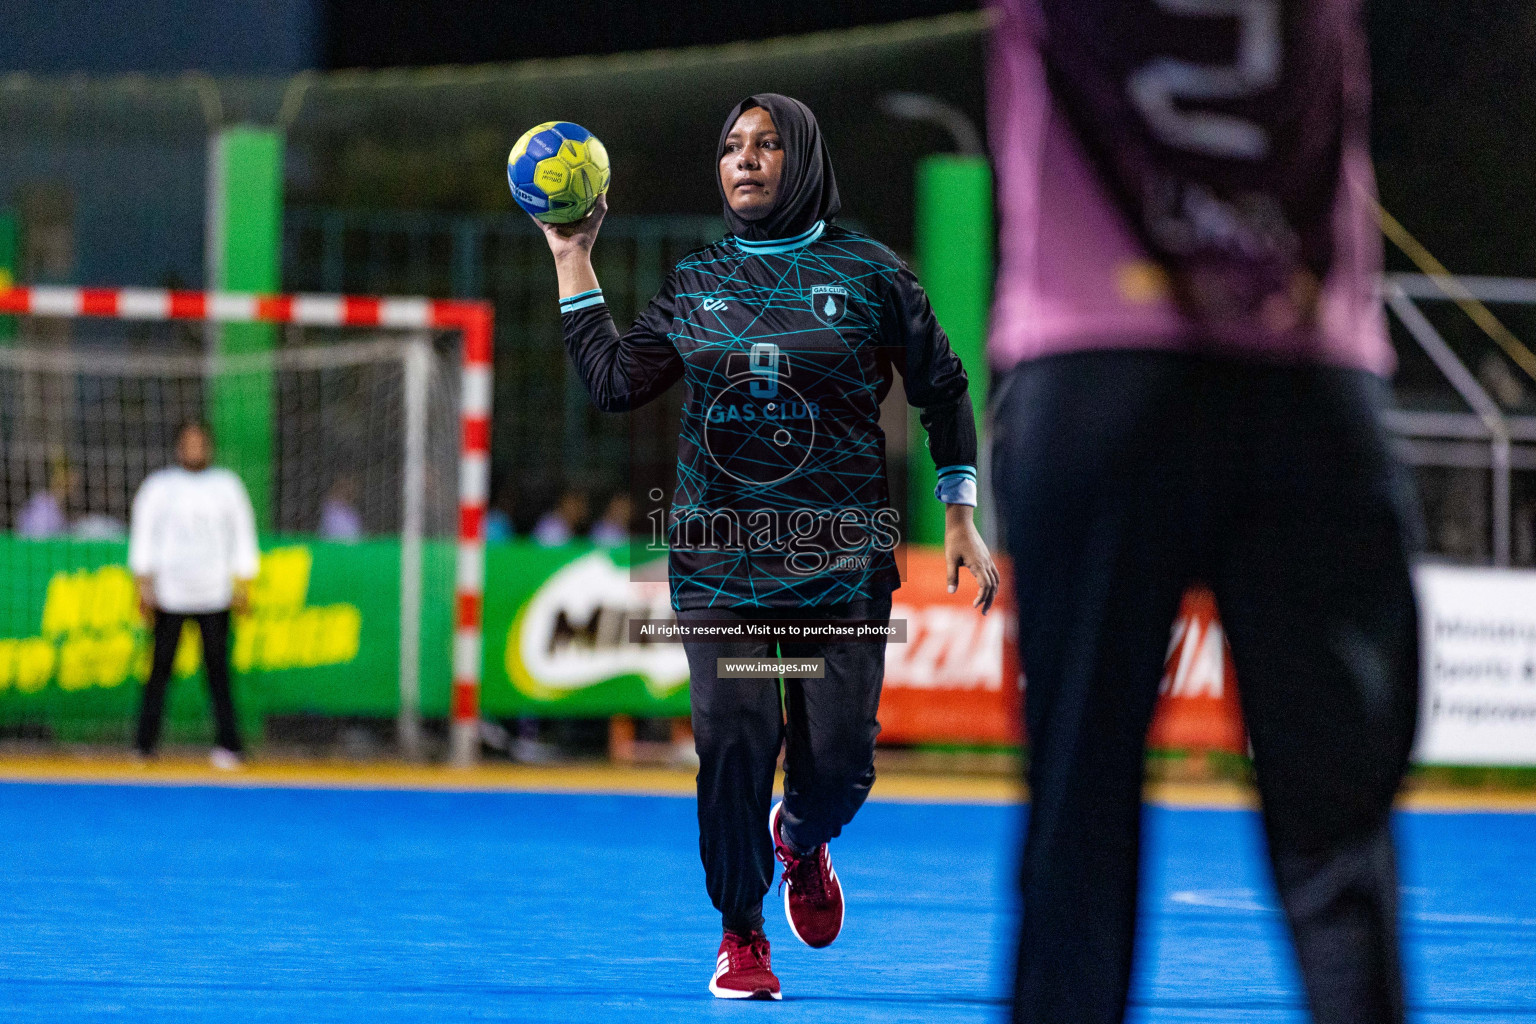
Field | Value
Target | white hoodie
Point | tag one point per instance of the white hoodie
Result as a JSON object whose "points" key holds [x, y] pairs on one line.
{"points": [[194, 534]]}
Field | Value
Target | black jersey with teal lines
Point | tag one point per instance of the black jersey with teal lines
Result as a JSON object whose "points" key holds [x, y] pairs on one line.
{"points": [[786, 349]]}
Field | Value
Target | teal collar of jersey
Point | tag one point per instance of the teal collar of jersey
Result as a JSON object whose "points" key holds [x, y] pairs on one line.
{"points": [[774, 245]]}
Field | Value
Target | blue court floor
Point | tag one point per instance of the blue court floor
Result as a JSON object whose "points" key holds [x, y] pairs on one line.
{"points": [[149, 903]]}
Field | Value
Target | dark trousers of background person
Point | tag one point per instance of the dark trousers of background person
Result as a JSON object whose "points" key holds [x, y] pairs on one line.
{"points": [[1123, 478], [214, 627], [826, 726]]}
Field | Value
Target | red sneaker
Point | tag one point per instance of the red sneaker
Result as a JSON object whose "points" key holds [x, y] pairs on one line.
{"points": [[743, 969], [813, 897]]}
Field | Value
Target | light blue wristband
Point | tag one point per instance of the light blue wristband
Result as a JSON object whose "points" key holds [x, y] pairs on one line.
{"points": [[581, 300], [957, 485]]}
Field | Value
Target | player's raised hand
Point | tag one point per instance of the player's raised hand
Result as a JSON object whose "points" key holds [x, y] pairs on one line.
{"points": [[576, 238], [964, 546]]}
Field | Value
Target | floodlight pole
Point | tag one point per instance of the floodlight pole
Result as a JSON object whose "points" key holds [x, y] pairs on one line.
{"points": [[243, 237], [953, 247]]}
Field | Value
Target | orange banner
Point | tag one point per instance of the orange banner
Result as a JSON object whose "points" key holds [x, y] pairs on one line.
{"points": [[1197, 706], [948, 683], [957, 679]]}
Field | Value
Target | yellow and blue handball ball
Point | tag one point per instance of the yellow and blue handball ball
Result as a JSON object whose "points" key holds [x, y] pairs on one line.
{"points": [[557, 170]]}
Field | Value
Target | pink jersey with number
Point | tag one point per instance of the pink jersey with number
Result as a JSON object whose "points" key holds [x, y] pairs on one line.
{"points": [[1074, 275]]}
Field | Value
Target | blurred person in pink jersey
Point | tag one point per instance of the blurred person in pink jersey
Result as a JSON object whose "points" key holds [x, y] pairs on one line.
{"points": [[1190, 356]]}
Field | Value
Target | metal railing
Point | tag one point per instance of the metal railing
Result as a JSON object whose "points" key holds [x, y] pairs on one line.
{"points": [[1487, 437]]}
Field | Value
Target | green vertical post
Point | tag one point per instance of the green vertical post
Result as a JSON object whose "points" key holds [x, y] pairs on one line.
{"points": [[953, 242], [9, 250], [245, 225]]}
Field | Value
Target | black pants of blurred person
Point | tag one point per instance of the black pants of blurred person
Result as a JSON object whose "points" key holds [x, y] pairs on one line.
{"points": [[827, 728], [214, 627], [1124, 477]]}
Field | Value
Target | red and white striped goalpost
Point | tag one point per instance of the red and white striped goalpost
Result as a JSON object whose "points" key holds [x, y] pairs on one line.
{"points": [[474, 320]]}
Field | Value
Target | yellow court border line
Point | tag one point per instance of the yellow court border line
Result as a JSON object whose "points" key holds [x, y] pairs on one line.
{"points": [[892, 787]]}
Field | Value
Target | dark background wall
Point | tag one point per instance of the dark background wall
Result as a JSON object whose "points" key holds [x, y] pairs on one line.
{"points": [[113, 37], [388, 33], [1455, 127], [1455, 93]]}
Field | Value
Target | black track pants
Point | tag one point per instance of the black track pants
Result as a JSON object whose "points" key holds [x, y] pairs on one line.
{"points": [[1124, 477], [214, 627], [826, 726]]}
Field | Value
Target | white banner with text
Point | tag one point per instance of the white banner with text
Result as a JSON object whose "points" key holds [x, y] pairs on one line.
{"points": [[1479, 697]]}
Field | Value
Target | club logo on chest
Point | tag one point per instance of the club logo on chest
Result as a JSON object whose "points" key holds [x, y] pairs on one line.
{"points": [[829, 302]]}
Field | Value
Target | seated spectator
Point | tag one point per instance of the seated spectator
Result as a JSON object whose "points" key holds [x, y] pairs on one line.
{"points": [[44, 513], [339, 517], [563, 523], [612, 530], [498, 526], [498, 518]]}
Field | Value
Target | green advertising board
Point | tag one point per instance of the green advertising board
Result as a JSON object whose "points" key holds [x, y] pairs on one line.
{"points": [[556, 624], [323, 638]]}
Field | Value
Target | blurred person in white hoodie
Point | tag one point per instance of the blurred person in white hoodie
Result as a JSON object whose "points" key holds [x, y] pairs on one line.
{"points": [[192, 550]]}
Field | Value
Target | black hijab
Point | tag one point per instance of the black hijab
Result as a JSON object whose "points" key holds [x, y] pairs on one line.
{"points": [[807, 189]]}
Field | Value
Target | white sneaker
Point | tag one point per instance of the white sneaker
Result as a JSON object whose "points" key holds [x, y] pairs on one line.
{"points": [[225, 760]]}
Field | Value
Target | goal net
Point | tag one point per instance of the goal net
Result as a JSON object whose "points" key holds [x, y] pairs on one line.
{"points": [[364, 466]]}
